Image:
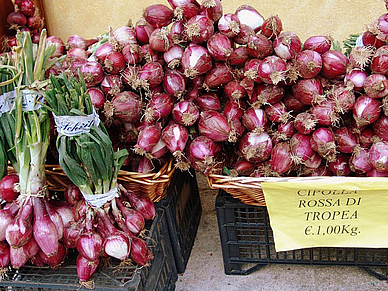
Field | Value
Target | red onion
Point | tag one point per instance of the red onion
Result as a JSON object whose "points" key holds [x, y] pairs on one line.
{"points": [[219, 46], [379, 63], [251, 70], [132, 54], [140, 253], [97, 97], [340, 167], [325, 114], [323, 142], [134, 221], [272, 27], [320, 44], [174, 83], [175, 136], [8, 192], [27, 7], [59, 45], [44, 230], [90, 243], [158, 151], [55, 218], [229, 25], [380, 127], [160, 40], [65, 212], [173, 56], [259, 46], [143, 205], [125, 106], [114, 63], [238, 56], [77, 53], [285, 131], [143, 30], [375, 173], [6, 218], [376, 86], [19, 231], [218, 75], [76, 41], [178, 3], [199, 28], [16, 18], [255, 119], [308, 63], [322, 170], [243, 36], [34, 22], [159, 107], [214, 125], [233, 110], [360, 57], [359, 161], [308, 91], [196, 60], [272, 70], [56, 260], [234, 90], [301, 148], [370, 39], [367, 137], [177, 32], [277, 112], [344, 99], [305, 123], [186, 11], [345, 139], [293, 103], [201, 153], [355, 79], [313, 162], [281, 161], [72, 194], [158, 15], [71, 233], [4, 255], [266, 94], [79, 210], [103, 51], [378, 156], [18, 257], [148, 137], [242, 168], [250, 16], [287, 45], [382, 24], [151, 74], [93, 73], [366, 110], [185, 113], [85, 268], [124, 35], [334, 64], [255, 147]]}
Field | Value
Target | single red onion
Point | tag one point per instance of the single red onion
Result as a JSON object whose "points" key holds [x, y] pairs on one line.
{"points": [[305, 123], [173, 56], [143, 30], [355, 79], [243, 36], [141, 204], [151, 74], [219, 46], [103, 51], [281, 160], [243, 168], [76, 41], [340, 167], [378, 156], [158, 107], [251, 70], [90, 243], [86, 268], [376, 86], [308, 63], [18, 257], [272, 70], [380, 127], [255, 147], [175, 136], [19, 231], [233, 110], [34, 22], [313, 162], [255, 119], [250, 16], [185, 113], [199, 29], [174, 83], [320, 44], [59, 45], [93, 73], [214, 125], [285, 131], [160, 40], [234, 90], [277, 112], [114, 63], [334, 64], [158, 15], [157, 152], [238, 56], [345, 139], [344, 99], [7, 216], [301, 148], [366, 110], [202, 151], [259, 46], [77, 53], [124, 35], [370, 39], [132, 54], [272, 27], [323, 142], [17, 18], [266, 94], [287, 45], [133, 218], [125, 106], [325, 113], [208, 101], [56, 260], [196, 60], [11, 42], [148, 137], [379, 63], [4, 255], [229, 25], [177, 32], [140, 253], [97, 97], [8, 192], [308, 91], [55, 218], [27, 7], [220, 74], [367, 137], [293, 103], [359, 161]]}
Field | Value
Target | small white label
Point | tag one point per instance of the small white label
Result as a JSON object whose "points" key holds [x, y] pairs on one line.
{"points": [[30, 100], [2, 104], [359, 42], [75, 125], [99, 200]]}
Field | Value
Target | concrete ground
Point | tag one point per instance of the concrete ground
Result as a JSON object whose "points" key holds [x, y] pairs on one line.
{"points": [[205, 270]]}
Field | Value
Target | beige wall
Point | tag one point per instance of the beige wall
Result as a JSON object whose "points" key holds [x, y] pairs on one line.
{"points": [[338, 18]]}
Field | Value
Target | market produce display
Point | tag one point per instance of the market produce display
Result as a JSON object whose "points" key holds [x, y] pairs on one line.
{"points": [[221, 93]]}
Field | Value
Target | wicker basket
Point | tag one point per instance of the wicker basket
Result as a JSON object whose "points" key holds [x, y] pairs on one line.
{"points": [[153, 185]]}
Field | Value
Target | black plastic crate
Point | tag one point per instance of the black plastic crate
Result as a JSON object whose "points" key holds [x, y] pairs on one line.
{"points": [[160, 275], [183, 212], [247, 244]]}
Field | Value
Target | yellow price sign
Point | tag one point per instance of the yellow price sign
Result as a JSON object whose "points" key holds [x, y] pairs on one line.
{"points": [[328, 212]]}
